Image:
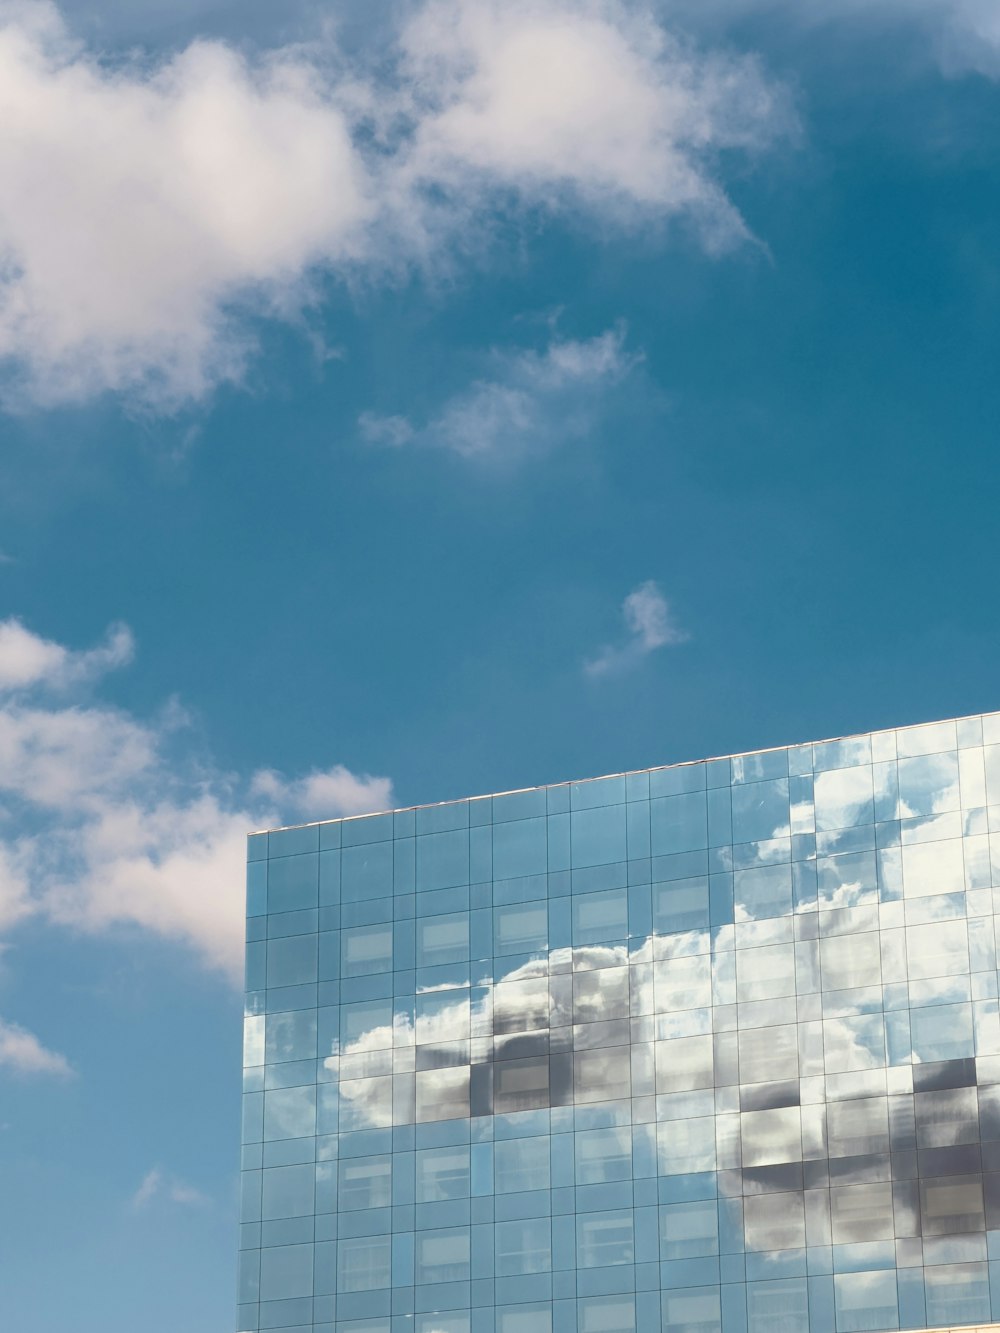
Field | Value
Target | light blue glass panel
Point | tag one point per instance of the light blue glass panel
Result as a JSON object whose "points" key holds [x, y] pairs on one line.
{"points": [[443, 1255], [865, 1301], [521, 1164], [599, 836], [366, 871], [289, 1113], [603, 1155], [942, 1032], [286, 1272], [844, 798], [780, 1306], [599, 917], [442, 860], [288, 1191], [523, 1246], [520, 848], [957, 1294], [605, 1239], [763, 892], [678, 824], [292, 883], [363, 1263], [443, 1173], [291, 1036], [760, 810], [689, 1230], [692, 1310], [597, 792]]}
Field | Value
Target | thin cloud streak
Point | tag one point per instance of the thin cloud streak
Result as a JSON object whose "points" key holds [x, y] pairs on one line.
{"points": [[960, 36], [532, 402], [157, 1185], [650, 624]]}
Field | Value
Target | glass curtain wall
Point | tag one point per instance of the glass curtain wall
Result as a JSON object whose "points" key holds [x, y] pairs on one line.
{"points": [[712, 1048]]}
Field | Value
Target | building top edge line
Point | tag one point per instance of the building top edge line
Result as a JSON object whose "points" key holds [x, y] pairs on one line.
{"points": [[604, 777]]}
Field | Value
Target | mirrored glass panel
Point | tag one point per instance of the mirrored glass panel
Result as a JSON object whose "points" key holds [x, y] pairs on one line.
{"points": [[712, 1048]]}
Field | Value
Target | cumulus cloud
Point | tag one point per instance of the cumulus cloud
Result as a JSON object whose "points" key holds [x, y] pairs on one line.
{"points": [[108, 822], [27, 659], [589, 103], [21, 1051], [650, 624], [157, 1185], [531, 401], [149, 207]]}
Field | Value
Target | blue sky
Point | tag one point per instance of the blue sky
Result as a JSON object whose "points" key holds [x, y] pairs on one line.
{"points": [[394, 410]]}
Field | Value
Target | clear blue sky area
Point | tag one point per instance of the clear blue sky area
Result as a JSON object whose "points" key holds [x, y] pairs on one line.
{"points": [[462, 401]]}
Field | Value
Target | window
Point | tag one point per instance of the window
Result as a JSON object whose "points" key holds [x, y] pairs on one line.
{"points": [[523, 1247], [366, 949], [442, 1256], [442, 1173], [520, 1085], [603, 1155], [604, 1239], [442, 1094], [442, 939], [521, 1164], [365, 1182], [363, 1263]]}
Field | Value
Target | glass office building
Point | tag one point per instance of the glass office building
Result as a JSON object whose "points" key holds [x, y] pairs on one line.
{"points": [[712, 1048]]}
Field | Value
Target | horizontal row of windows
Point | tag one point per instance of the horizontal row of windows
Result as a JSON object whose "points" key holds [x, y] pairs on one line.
{"points": [[664, 1072], [683, 997], [932, 745], [914, 851], [839, 1303], [368, 1196], [450, 955], [924, 1134]]}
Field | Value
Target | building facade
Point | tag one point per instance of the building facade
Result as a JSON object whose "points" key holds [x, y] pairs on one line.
{"points": [[712, 1048]]}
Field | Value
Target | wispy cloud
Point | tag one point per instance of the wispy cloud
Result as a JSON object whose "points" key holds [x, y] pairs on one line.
{"points": [[21, 1051], [650, 624], [151, 206], [530, 402], [961, 36], [109, 821], [158, 1185]]}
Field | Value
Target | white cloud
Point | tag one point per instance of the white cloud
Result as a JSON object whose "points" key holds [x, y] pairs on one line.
{"points": [[591, 104], [107, 823], [156, 1185], [27, 659], [317, 794], [140, 203], [532, 401], [21, 1051], [150, 206], [650, 623]]}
